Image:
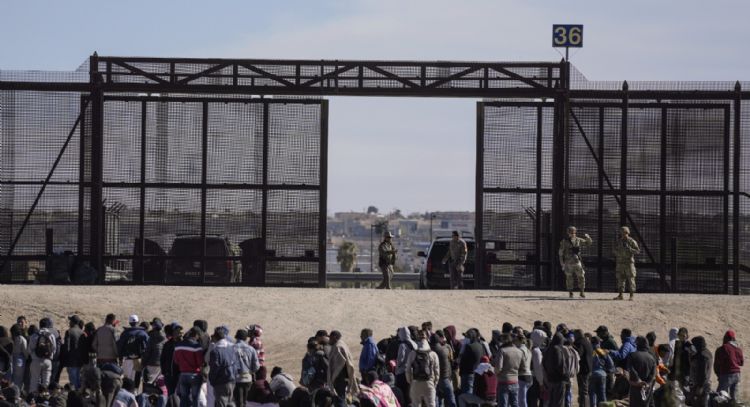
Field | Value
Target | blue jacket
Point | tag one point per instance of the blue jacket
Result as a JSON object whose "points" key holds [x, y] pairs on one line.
{"points": [[603, 365], [628, 347], [369, 355], [139, 335]]}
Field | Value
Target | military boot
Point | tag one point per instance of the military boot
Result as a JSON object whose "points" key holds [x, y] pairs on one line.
{"points": [[583, 295], [631, 297], [619, 297], [571, 294]]}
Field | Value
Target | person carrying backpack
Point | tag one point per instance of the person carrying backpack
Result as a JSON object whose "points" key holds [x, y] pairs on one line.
{"points": [[131, 346], [222, 367], [406, 346], [422, 374], [247, 366], [42, 346]]}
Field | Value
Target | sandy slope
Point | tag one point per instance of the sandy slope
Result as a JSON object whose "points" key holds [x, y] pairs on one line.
{"points": [[289, 316]]}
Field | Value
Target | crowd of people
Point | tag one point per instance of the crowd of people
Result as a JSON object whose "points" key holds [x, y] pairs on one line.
{"points": [[152, 364]]}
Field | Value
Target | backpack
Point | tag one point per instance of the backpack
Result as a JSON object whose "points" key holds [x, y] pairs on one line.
{"points": [[221, 367], [570, 362], [44, 345], [134, 348], [420, 367]]}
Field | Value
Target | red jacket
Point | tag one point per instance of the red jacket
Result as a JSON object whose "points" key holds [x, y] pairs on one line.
{"points": [[188, 356], [728, 358]]}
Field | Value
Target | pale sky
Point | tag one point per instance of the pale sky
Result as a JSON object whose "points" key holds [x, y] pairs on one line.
{"points": [[406, 153]]}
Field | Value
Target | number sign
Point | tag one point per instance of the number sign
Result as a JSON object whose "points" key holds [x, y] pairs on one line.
{"points": [[567, 35]]}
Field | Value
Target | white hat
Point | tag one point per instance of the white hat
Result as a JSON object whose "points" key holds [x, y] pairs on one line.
{"points": [[133, 319]]}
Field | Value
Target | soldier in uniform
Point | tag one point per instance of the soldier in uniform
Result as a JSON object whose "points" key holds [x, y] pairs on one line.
{"points": [[625, 248], [570, 260], [386, 260], [456, 258]]}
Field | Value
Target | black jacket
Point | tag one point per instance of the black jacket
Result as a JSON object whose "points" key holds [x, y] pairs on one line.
{"points": [[442, 352], [470, 357], [152, 355], [74, 351], [552, 360], [167, 359], [586, 352], [641, 365], [701, 363]]}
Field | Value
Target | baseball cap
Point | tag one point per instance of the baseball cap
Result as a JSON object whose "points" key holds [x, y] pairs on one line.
{"points": [[74, 319], [133, 319], [601, 328]]}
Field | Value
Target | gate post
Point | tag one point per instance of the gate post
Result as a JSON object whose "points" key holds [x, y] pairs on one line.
{"points": [[559, 204], [736, 185], [480, 280], [97, 153]]}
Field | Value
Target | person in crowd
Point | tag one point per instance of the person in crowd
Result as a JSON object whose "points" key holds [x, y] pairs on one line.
{"points": [[73, 351], [728, 362], [641, 367], [322, 338], [105, 341], [260, 391], [222, 367], [247, 367], [608, 341], [169, 370], [620, 356], [406, 346], [422, 374], [23, 322], [151, 359], [20, 354], [254, 332], [700, 373], [556, 378], [444, 391], [56, 362], [509, 361], [42, 347], [601, 368], [188, 356], [315, 366], [585, 363], [470, 356], [484, 389], [126, 395], [375, 393], [427, 329], [525, 378], [369, 355], [341, 377], [679, 370], [130, 347], [538, 338], [282, 384]]}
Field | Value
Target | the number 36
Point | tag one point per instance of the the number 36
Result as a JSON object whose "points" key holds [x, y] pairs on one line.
{"points": [[567, 36]]}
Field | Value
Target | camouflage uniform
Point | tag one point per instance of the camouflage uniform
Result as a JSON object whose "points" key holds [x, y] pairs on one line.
{"points": [[571, 261], [386, 260], [456, 258], [624, 250]]}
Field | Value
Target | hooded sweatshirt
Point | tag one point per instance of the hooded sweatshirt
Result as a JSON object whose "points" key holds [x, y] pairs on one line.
{"points": [[537, 340], [406, 346], [728, 358], [553, 360], [700, 363]]}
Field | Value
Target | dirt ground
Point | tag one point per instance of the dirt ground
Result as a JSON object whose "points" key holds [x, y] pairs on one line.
{"points": [[290, 315]]}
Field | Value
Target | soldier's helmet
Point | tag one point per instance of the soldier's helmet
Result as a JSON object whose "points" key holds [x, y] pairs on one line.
{"points": [[387, 234], [625, 229], [571, 229]]}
